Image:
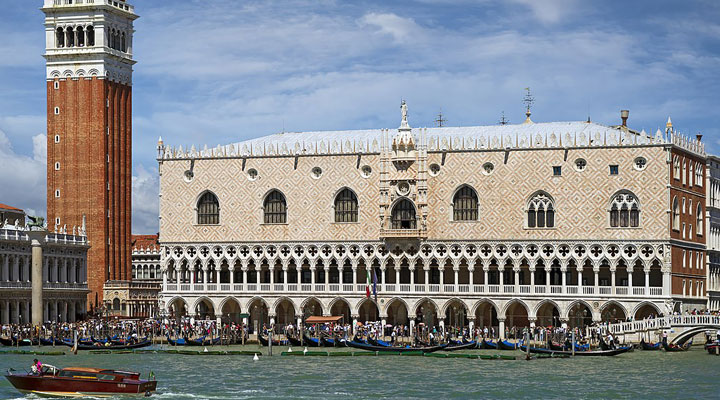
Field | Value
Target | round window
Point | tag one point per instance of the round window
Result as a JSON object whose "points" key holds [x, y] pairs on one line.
{"points": [[580, 164], [365, 171], [434, 169], [488, 168], [640, 163], [188, 176], [403, 188], [316, 172], [252, 174]]}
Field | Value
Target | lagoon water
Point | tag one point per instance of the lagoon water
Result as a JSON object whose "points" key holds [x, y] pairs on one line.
{"points": [[637, 375]]}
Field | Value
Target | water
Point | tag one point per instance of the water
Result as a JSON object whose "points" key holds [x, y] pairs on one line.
{"points": [[637, 375]]}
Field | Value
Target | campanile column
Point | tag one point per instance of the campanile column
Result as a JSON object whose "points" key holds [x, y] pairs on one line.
{"points": [[37, 275]]}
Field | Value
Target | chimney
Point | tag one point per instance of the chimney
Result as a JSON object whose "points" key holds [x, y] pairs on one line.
{"points": [[624, 115], [699, 137]]}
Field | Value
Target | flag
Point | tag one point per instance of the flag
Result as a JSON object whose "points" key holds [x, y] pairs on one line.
{"points": [[367, 283], [375, 285]]}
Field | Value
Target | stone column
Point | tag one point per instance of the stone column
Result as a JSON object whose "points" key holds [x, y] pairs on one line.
{"points": [[231, 270], [501, 277], [397, 278], [456, 281], [36, 238], [441, 270], [630, 282], [178, 274], [326, 267], [72, 311], [580, 284], [16, 269], [563, 272], [501, 328], [285, 277], [272, 276], [612, 281], [427, 278], [412, 278], [485, 276], [298, 271]]}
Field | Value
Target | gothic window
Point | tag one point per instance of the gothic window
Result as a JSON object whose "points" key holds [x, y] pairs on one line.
{"points": [[346, 206], [465, 204], [699, 217], [699, 174], [684, 172], [676, 167], [80, 32], [676, 214], [403, 215], [90, 36], [624, 211], [208, 209], [123, 48], [274, 208], [540, 211]]}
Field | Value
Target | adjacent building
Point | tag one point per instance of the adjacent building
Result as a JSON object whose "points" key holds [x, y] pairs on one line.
{"points": [[509, 225], [89, 129], [64, 274], [140, 300], [713, 232]]}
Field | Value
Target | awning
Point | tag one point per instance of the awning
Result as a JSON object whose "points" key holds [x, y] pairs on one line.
{"points": [[323, 320]]}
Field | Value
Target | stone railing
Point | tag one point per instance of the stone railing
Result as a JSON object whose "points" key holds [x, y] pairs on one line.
{"points": [[670, 321]]}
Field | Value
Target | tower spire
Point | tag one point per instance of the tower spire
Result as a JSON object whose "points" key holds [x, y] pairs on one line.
{"points": [[528, 100]]}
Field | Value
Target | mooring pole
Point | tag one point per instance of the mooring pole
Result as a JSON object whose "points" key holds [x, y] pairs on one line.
{"points": [[573, 342]]}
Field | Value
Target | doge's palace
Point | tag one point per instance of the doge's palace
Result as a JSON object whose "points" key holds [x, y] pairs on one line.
{"points": [[506, 225]]}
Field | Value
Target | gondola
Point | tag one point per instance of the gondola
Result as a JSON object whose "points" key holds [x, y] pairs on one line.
{"points": [[676, 348], [21, 343], [461, 346], [128, 340], [378, 342], [311, 342], [331, 342], [98, 346], [203, 341], [264, 341], [615, 352], [713, 348], [505, 345], [51, 342], [649, 346], [398, 349], [488, 345], [294, 341]]}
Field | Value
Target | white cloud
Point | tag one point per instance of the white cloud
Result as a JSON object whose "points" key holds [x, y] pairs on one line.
{"points": [[145, 201], [401, 29], [549, 11], [22, 178]]}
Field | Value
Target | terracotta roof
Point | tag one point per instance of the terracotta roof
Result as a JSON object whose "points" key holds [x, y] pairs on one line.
{"points": [[7, 207], [144, 242]]}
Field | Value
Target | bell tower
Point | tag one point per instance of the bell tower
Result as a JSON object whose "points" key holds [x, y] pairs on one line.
{"points": [[88, 53]]}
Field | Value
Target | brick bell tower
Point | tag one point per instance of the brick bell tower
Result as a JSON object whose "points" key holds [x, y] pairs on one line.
{"points": [[88, 55]]}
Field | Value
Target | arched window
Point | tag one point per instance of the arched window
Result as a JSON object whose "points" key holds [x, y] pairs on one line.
{"points": [[624, 211], [676, 167], [59, 37], [403, 215], [116, 304], [69, 37], [699, 222], [208, 209], [346, 206], [699, 174], [80, 32], [90, 36], [465, 204], [123, 48], [541, 212], [274, 208], [676, 214]]}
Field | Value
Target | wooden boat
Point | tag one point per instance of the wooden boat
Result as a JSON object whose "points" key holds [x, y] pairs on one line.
{"points": [[202, 341], [488, 344], [676, 348], [13, 341], [538, 350], [505, 345], [649, 346], [461, 346], [75, 382], [713, 348], [311, 342], [378, 342], [294, 341], [398, 349], [129, 340], [51, 342], [108, 346], [264, 341], [331, 342]]}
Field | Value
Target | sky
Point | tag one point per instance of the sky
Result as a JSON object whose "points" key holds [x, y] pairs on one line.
{"points": [[221, 71]]}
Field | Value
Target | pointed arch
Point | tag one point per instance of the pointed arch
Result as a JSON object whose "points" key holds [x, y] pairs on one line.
{"points": [[308, 301], [465, 205], [624, 210], [403, 214], [207, 208], [345, 205], [274, 207], [610, 311], [279, 300], [675, 214], [540, 210], [644, 309]]}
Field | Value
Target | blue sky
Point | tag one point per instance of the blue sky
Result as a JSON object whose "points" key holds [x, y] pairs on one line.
{"points": [[216, 72]]}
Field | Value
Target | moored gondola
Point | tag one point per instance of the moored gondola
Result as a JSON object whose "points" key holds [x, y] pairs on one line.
{"points": [[488, 345], [461, 346], [505, 345], [13, 341], [398, 349], [378, 342], [649, 346], [673, 348], [713, 348], [614, 352], [264, 341], [311, 342], [108, 346], [294, 341]]}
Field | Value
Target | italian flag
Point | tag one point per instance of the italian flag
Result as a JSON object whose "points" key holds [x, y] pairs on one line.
{"points": [[367, 284]]}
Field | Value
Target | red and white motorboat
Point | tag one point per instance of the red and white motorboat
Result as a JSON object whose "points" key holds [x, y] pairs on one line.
{"points": [[79, 381]]}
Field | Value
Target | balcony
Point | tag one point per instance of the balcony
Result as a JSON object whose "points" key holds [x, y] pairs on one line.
{"points": [[477, 290], [402, 233]]}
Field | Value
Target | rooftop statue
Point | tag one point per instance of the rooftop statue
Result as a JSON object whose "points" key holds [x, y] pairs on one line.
{"points": [[38, 222]]}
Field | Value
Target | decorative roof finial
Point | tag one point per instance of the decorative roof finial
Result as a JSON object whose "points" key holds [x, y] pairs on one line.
{"points": [[440, 121], [669, 126], [503, 120], [404, 112], [528, 100]]}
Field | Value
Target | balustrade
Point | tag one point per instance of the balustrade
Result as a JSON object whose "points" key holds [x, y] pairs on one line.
{"points": [[347, 287], [493, 288], [306, 287], [390, 287], [555, 289], [319, 287], [434, 288], [621, 291], [508, 288], [449, 288], [211, 287], [572, 289], [420, 288], [405, 288], [605, 289], [225, 287], [334, 287], [464, 288], [278, 287]]}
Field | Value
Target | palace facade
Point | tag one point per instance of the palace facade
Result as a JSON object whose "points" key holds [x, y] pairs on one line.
{"points": [[65, 285], [508, 225]]}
